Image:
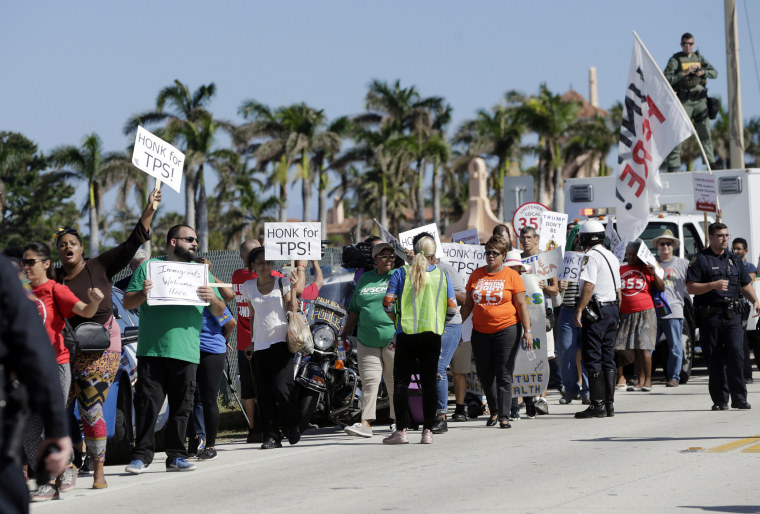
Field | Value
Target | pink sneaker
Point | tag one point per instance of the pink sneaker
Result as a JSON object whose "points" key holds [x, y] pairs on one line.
{"points": [[397, 437], [427, 437]]}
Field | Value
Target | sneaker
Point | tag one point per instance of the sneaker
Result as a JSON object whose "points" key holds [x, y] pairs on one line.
{"points": [[136, 467], [254, 437], [397, 437], [530, 410], [358, 430], [86, 468], [294, 435], [514, 415], [271, 443], [566, 400], [671, 383], [44, 493], [427, 436], [542, 407], [586, 400], [196, 446], [459, 416], [67, 480], [208, 453], [440, 426], [179, 464]]}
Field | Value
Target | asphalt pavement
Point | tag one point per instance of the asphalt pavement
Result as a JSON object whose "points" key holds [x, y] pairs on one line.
{"points": [[662, 451]]}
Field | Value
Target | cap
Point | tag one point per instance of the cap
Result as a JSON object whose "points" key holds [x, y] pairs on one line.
{"points": [[376, 249]]}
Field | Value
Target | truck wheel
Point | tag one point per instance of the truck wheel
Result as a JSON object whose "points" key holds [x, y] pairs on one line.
{"points": [[687, 340], [119, 447]]}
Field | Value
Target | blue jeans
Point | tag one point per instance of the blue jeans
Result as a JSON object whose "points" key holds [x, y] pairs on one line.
{"points": [[567, 344], [672, 328], [449, 342]]}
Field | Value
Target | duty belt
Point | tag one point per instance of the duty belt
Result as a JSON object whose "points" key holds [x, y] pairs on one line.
{"points": [[604, 304], [688, 94], [729, 305]]}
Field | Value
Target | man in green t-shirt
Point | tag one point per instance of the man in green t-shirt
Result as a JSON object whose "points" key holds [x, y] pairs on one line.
{"points": [[168, 351]]}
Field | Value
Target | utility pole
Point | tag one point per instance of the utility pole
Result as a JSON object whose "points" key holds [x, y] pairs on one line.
{"points": [[735, 121]]}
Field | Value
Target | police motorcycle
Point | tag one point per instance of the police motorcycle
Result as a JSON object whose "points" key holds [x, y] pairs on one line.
{"points": [[328, 386]]}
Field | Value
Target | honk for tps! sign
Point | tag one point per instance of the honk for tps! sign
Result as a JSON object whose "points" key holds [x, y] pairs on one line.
{"points": [[158, 159], [285, 241]]}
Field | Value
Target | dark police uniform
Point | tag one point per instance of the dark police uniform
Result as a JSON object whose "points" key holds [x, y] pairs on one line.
{"points": [[720, 323]]}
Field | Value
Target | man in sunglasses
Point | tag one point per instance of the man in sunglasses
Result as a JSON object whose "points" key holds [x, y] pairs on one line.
{"points": [[671, 325], [717, 278], [168, 351], [687, 71]]}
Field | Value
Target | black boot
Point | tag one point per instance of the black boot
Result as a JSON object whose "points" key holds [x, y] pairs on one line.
{"points": [[460, 413], [596, 392], [610, 380]]}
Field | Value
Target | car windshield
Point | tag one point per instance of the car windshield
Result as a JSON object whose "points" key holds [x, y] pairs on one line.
{"points": [[654, 229]]}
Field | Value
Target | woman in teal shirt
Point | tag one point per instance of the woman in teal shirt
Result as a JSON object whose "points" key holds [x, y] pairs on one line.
{"points": [[375, 331]]}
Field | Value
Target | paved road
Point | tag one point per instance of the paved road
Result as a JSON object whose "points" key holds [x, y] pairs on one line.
{"points": [[640, 460]]}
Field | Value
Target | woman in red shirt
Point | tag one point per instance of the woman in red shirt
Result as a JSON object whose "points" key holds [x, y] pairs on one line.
{"points": [[637, 333], [55, 303]]}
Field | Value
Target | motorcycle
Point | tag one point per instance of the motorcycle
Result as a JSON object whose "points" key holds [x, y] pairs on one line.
{"points": [[327, 382]]}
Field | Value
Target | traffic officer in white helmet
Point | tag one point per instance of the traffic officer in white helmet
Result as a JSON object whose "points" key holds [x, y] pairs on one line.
{"points": [[597, 313]]}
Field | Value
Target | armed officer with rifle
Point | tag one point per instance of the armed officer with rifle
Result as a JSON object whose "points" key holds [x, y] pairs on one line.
{"points": [[718, 279]]}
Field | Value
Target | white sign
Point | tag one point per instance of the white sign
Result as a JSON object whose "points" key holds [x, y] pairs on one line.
{"points": [[705, 194], [432, 229], [285, 241], [553, 231], [531, 375], [645, 255], [572, 266], [464, 258], [158, 158], [176, 283], [612, 234], [468, 237], [619, 250], [528, 215], [531, 261], [752, 320], [395, 243], [549, 264]]}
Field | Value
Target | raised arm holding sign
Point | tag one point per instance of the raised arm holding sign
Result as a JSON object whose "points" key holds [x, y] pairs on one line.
{"points": [[158, 159]]}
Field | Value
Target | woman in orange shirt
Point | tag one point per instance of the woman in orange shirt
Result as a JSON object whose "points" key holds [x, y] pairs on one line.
{"points": [[496, 299]]}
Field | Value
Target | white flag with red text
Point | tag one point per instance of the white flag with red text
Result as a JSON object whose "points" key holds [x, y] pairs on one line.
{"points": [[654, 122]]}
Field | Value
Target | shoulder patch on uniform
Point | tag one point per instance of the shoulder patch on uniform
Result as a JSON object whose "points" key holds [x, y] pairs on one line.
{"points": [[693, 260], [585, 260]]}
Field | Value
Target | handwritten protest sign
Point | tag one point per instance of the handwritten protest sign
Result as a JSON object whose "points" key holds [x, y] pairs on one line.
{"points": [[705, 194], [572, 266], [531, 261], [406, 237], [386, 236], [645, 255], [158, 159], [553, 231], [549, 264], [464, 258], [176, 283], [612, 234], [468, 237], [531, 374], [619, 250], [301, 240]]}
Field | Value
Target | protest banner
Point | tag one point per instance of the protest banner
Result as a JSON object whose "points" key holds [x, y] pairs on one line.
{"points": [[288, 241], [464, 258], [645, 255], [705, 194], [553, 231], [386, 236], [531, 374], [176, 283], [548, 264], [528, 215], [619, 250], [406, 237], [468, 237], [571, 270], [158, 159], [531, 261], [654, 122], [611, 233]]}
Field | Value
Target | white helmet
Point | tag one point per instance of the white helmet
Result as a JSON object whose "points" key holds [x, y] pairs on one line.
{"points": [[591, 233]]}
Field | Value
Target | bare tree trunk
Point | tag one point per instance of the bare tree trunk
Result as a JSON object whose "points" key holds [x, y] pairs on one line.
{"points": [[322, 201], [436, 199], [559, 191], [94, 229], [202, 212], [420, 193], [358, 228], [283, 203], [384, 211], [189, 200]]}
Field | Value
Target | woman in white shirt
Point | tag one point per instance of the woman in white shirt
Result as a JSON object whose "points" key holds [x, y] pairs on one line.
{"points": [[268, 297]]}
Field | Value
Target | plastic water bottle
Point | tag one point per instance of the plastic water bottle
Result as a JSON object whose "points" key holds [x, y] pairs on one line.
{"points": [[341, 350]]}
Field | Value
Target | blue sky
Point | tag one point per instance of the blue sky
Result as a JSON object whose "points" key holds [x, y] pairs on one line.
{"points": [[71, 68]]}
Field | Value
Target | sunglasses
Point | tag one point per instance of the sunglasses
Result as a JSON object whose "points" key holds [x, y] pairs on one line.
{"points": [[31, 262], [189, 239], [685, 43], [666, 243], [386, 257], [63, 231], [492, 253]]}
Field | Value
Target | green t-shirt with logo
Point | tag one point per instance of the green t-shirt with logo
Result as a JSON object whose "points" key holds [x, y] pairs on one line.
{"points": [[171, 331], [375, 327]]}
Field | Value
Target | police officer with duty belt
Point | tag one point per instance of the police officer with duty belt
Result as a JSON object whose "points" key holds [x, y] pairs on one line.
{"points": [[597, 312], [717, 278], [687, 71]]}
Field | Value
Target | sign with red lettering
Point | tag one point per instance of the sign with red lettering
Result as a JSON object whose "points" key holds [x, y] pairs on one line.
{"points": [[528, 215], [158, 159], [705, 194]]}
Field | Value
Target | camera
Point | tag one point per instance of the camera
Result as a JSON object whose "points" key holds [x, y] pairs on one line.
{"points": [[357, 256]]}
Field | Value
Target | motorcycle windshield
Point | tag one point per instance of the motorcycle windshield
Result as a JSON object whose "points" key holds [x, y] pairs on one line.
{"points": [[332, 303]]}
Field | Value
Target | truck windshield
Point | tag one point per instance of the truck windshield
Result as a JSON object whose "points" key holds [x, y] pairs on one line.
{"points": [[654, 229]]}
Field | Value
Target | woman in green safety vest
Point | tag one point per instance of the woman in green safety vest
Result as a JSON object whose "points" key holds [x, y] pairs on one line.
{"points": [[425, 301]]}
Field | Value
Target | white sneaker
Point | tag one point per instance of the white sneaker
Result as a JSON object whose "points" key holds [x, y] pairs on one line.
{"points": [[358, 430]]}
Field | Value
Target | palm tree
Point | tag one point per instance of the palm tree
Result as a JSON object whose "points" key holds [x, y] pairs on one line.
{"points": [[752, 139], [326, 146], [89, 163]]}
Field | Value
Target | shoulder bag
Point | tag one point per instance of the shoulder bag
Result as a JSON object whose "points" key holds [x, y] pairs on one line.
{"points": [[299, 332]]}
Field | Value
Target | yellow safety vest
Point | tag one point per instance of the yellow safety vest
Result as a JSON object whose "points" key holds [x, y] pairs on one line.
{"points": [[425, 311]]}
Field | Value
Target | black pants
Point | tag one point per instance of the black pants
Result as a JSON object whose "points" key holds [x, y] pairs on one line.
{"points": [[598, 340], [416, 353], [495, 356], [159, 377], [274, 384], [209, 377], [722, 340], [14, 495]]}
